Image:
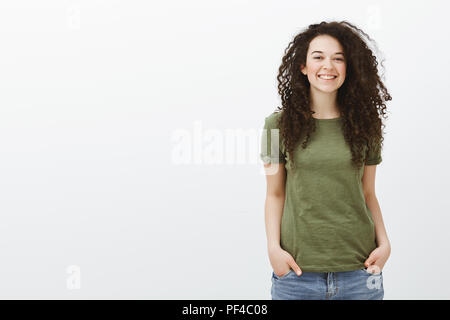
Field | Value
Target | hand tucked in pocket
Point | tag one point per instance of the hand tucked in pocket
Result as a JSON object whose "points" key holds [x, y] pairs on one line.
{"points": [[377, 258], [282, 262]]}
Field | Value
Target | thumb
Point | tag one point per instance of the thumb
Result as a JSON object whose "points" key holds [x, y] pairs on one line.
{"points": [[371, 259], [295, 267]]}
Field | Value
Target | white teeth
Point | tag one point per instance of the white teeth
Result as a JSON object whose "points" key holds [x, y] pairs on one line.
{"points": [[327, 77]]}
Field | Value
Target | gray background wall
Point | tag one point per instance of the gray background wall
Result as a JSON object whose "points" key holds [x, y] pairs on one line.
{"points": [[102, 101]]}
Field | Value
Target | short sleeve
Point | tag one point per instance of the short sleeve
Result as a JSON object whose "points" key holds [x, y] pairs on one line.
{"points": [[374, 155], [271, 151]]}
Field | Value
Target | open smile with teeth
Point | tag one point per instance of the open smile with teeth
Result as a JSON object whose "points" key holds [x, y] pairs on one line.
{"points": [[323, 77]]}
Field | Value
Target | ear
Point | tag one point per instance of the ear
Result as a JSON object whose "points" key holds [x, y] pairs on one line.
{"points": [[302, 69]]}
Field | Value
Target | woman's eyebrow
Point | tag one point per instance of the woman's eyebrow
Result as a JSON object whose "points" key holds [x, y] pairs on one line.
{"points": [[322, 52]]}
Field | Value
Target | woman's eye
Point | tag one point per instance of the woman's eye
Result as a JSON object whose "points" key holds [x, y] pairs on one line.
{"points": [[340, 59]]}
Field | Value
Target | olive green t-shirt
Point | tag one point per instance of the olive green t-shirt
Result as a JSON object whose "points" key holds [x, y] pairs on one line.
{"points": [[326, 225]]}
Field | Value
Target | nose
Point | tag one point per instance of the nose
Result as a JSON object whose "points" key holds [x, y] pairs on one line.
{"points": [[326, 65]]}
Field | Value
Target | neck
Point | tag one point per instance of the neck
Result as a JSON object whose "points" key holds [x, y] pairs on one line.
{"points": [[324, 104]]}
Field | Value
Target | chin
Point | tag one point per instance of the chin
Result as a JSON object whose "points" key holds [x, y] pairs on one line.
{"points": [[326, 89]]}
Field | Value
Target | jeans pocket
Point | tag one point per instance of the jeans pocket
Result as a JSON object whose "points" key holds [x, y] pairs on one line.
{"points": [[283, 276]]}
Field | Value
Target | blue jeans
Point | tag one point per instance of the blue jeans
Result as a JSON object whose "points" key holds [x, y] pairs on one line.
{"points": [[346, 285]]}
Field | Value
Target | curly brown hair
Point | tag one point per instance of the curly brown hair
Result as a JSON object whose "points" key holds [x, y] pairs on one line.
{"points": [[361, 98]]}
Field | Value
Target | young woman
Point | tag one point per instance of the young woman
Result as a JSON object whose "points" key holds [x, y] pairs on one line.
{"points": [[325, 232]]}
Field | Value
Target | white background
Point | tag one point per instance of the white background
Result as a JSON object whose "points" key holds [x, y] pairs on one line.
{"points": [[92, 93]]}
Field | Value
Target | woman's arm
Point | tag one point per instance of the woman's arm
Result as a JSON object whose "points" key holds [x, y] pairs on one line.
{"points": [[368, 183], [380, 255], [380, 230], [281, 260], [275, 195]]}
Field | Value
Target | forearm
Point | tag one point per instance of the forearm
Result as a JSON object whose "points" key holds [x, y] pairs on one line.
{"points": [[380, 230], [273, 212]]}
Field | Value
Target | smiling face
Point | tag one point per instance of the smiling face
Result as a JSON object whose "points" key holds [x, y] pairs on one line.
{"points": [[325, 56]]}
